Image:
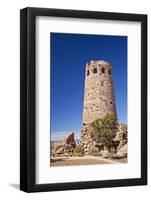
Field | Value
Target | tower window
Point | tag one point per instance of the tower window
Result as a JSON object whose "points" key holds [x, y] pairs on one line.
{"points": [[94, 70], [103, 70], [102, 83], [111, 102], [88, 73], [109, 72]]}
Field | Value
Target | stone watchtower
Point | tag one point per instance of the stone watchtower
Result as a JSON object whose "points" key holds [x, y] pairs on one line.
{"points": [[98, 97]]}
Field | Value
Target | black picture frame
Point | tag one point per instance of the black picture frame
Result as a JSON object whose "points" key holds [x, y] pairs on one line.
{"points": [[28, 99]]}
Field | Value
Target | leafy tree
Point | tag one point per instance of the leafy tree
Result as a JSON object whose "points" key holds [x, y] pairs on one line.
{"points": [[79, 151], [94, 152], [104, 130]]}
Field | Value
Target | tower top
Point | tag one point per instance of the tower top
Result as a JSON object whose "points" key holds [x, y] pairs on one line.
{"points": [[98, 63], [103, 62]]}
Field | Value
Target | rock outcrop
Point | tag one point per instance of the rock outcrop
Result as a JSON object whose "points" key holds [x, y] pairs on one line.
{"points": [[122, 138], [65, 148]]}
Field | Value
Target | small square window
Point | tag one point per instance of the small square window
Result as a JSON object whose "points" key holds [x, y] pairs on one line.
{"points": [[94, 70], [103, 70], [109, 72]]}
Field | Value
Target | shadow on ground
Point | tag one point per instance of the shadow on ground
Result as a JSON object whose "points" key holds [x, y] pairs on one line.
{"points": [[15, 185]]}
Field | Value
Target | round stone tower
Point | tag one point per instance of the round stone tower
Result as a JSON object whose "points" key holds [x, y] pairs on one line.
{"points": [[98, 96]]}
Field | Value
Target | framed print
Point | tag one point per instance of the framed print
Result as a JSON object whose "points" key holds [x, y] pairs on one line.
{"points": [[83, 99]]}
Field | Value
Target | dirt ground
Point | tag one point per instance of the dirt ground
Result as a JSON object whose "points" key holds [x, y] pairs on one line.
{"points": [[86, 160]]}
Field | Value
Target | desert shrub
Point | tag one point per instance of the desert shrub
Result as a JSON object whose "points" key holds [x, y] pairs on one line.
{"points": [[79, 151], [94, 152]]}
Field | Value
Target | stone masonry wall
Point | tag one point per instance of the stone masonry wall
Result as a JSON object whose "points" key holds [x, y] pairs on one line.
{"points": [[98, 96]]}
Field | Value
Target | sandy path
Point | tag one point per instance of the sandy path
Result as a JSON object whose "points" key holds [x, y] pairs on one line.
{"points": [[86, 160]]}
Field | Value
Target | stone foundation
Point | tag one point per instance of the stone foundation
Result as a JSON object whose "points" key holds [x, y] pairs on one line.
{"points": [[86, 141], [120, 142]]}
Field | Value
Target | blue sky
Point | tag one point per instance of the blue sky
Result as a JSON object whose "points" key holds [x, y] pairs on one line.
{"points": [[69, 55]]}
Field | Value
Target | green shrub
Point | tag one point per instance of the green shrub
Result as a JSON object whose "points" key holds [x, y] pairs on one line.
{"points": [[94, 152], [79, 151]]}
